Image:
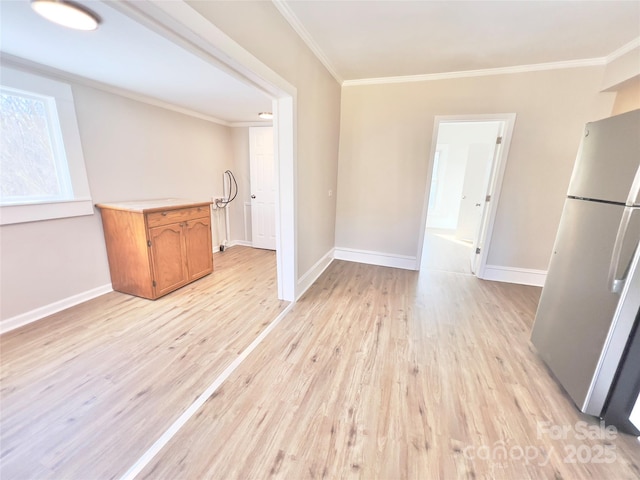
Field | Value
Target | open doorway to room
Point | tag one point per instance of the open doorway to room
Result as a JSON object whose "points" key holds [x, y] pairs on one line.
{"points": [[183, 25], [467, 164]]}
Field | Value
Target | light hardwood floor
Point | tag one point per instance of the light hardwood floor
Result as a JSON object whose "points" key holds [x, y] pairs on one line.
{"points": [[86, 391], [443, 251], [375, 373]]}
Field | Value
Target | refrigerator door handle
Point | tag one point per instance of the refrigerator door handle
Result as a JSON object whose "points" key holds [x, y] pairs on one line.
{"points": [[634, 194], [618, 273]]}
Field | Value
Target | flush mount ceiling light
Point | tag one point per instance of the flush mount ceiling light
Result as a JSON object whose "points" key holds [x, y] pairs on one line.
{"points": [[265, 115], [67, 14]]}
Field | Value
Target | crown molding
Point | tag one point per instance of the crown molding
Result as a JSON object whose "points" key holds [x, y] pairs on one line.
{"points": [[633, 44], [590, 62], [306, 37], [33, 67], [250, 124]]}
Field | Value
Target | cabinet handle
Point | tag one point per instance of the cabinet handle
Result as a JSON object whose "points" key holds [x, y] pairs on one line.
{"points": [[164, 214]]}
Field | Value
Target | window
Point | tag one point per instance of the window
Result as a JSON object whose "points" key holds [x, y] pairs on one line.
{"points": [[32, 155], [42, 173]]}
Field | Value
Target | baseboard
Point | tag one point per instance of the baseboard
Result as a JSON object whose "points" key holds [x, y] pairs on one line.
{"points": [[313, 273], [376, 258], [523, 276], [242, 243], [55, 307]]}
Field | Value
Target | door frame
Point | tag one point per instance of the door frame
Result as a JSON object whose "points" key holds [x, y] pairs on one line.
{"points": [[495, 181], [180, 23]]}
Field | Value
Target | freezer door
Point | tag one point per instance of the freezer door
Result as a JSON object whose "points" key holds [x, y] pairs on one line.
{"points": [[577, 305], [608, 159]]}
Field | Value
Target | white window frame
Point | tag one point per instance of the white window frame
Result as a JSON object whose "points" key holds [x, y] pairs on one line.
{"points": [[80, 204]]}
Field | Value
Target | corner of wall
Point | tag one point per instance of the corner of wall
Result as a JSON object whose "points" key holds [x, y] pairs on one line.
{"points": [[627, 96], [621, 69], [311, 275]]}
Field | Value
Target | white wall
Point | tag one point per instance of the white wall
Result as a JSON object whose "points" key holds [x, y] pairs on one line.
{"points": [[385, 140], [132, 151]]}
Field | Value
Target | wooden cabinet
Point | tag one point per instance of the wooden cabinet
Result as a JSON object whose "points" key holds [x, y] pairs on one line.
{"points": [[157, 246]]}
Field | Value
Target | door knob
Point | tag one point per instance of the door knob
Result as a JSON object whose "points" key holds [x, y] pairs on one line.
{"points": [[253, 196], [477, 204]]}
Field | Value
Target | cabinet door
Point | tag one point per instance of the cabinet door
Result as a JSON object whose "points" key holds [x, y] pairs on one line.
{"points": [[168, 258], [198, 247]]}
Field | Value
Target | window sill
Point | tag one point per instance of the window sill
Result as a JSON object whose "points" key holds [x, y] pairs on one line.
{"points": [[11, 214]]}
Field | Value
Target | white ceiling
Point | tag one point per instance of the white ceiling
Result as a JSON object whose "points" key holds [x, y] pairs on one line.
{"points": [[372, 39], [129, 56], [355, 39]]}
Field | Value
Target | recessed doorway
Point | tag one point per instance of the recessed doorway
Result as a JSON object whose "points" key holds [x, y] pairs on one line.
{"points": [[466, 168]]}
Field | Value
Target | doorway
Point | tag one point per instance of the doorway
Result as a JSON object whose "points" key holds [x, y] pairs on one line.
{"points": [[466, 169], [181, 24]]}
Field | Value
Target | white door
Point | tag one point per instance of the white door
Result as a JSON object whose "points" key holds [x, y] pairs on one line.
{"points": [[263, 189], [480, 241], [494, 131], [474, 191]]}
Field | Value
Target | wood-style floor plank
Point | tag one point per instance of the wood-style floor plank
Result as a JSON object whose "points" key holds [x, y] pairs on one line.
{"points": [[375, 373], [392, 374], [86, 391]]}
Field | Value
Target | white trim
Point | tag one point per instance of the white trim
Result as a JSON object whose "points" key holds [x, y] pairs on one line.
{"points": [[306, 37], [257, 123], [179, 22], [55, 307], [522, 276], [376, 258], [589, 62], [175, 427], [10, 214], [285, 146], [635, 43], [243, 243], [314, 273], [495, 188], [246, 208]]}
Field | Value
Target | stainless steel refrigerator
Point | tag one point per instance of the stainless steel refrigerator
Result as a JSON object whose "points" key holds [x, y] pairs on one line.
{"points": [[591, 296]]}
